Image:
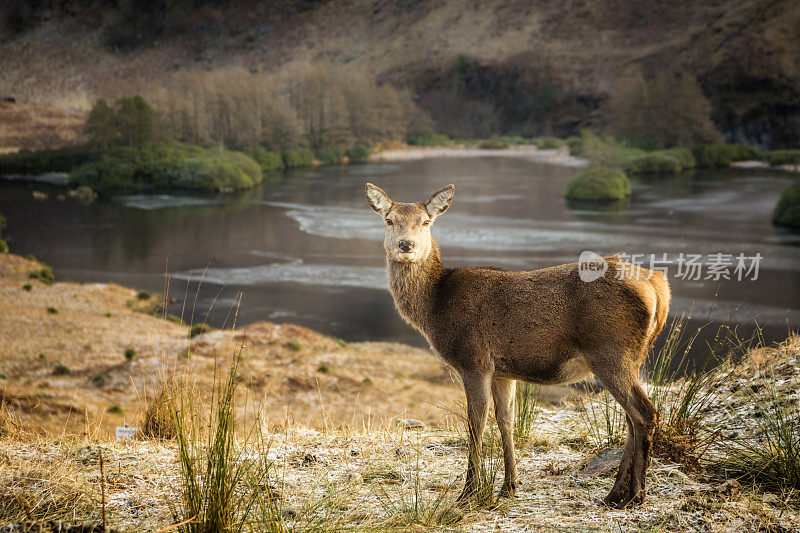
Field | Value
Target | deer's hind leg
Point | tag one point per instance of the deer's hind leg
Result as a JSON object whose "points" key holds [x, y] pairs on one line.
{"points": [[503, 395], [622, 381]]}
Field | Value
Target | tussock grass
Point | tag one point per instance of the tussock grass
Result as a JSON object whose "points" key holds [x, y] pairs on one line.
{"points": [[525, 412], [213, 469], [162, 411], [769, 456], [603, 417], [408, 505]]}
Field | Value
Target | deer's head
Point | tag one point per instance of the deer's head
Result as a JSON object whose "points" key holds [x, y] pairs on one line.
{"points": [[408, 225]]}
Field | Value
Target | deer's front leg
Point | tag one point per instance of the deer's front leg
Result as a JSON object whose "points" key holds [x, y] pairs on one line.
{"points": [[477, 386]]}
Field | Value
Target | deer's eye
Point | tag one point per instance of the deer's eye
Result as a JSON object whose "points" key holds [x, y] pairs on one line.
{"points": [[426, 223], [389, 222]]}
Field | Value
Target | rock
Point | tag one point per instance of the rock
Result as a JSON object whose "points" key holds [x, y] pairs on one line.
{"points": [[606, 461], [353, 478], [409, 423], [730, 487], [770, 498], [289, 514]]}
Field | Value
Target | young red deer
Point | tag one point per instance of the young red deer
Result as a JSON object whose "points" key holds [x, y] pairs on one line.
{"points": [[542, 326]]}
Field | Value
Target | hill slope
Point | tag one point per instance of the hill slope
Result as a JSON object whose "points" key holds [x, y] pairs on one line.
{"points": [[538, 67]]}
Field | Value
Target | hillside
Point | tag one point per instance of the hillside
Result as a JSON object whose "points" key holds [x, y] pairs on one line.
{"points": [[476, 68], [63, 363]]}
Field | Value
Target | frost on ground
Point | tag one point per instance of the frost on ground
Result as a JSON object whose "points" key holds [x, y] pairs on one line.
{"points": [[368, 480]]}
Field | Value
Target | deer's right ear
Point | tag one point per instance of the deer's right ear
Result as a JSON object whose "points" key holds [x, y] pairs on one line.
{"points": [[377, 199]]}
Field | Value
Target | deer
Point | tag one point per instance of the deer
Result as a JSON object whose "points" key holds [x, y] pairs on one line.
{"points": [[546, 326]]}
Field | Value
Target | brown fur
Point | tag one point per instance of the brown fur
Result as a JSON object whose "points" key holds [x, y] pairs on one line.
{"points": [[542, 326]]}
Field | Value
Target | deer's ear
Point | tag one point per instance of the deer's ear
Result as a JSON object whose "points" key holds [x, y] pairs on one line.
{"points": [[440, 201], [377, 199]]}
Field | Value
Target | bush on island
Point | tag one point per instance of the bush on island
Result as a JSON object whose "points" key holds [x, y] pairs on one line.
{"points": [[330, 155], [428, 139], [787, 210], [598, 184], [722, 155], [548, 143], [43, 161], [268, 160], [298, 158], [783, 157], [169, 165], [652, 162], [358, 153], [670, 160]]}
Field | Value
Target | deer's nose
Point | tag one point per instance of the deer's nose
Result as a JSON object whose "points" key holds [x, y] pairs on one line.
{"points": [[405, 246]]}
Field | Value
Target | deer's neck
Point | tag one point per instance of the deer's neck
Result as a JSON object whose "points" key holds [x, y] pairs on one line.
{"points": [[413, 287]]}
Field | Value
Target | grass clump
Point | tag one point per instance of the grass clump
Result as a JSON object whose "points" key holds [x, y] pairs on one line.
{"points": [[52, 310], [44, 274], [162, 410], [295, 346], [605, 420], [61, 370], [324, 369], [783, 157], [525, 412], [27, 287], [143, 295], [115, 410], [130, 353], [169, 165], [218, 484], [408, 506], [297, 158], [3, 247], [597, 183], [769, 456], [198, 329], [787, 210]]}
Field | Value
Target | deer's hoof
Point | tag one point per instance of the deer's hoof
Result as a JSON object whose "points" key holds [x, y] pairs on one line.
{"points": [[509, 489]]}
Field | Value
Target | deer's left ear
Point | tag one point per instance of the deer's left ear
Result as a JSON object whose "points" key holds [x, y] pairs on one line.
{"points": [[440, 201]]}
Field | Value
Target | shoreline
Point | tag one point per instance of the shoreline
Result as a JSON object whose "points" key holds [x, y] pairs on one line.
{"points": [[556, 156]]}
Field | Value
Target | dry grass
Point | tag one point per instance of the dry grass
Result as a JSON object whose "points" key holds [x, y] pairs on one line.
{"points": [[33, 126]]}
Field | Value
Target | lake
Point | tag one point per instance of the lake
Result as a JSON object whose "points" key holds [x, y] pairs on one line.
{"points": [[305, 248]]}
